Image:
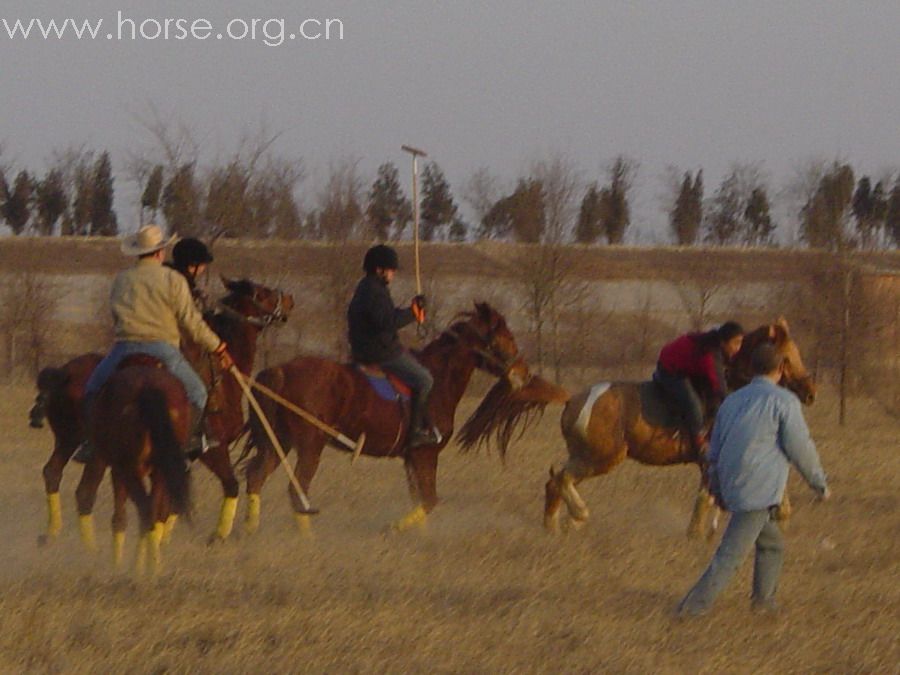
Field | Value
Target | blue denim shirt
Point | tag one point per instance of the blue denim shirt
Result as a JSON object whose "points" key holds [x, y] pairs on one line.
{"points": [[758, 433]]}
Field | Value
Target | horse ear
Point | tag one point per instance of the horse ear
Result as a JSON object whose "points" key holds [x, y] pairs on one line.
{"points": [[771, 331], [781, 321], [226, 282]]}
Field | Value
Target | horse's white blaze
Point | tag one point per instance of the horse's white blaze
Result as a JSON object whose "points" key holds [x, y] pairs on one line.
{"points": [[584, 417]]}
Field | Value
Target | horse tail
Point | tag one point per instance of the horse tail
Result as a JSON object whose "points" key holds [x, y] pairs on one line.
{"points": [[49, 381], [166, 456]]}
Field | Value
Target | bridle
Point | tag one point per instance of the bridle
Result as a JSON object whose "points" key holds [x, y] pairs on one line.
{"points": [[265, 319], [504, 365]]}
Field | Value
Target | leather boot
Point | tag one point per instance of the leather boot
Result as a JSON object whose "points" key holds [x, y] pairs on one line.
{"points": [[420, 433], [196, 444]]}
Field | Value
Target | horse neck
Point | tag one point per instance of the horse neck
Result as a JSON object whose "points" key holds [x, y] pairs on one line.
{"points": [[451, 364], [241, 338]]}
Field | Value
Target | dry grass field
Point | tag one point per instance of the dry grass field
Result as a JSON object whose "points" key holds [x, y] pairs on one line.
{"points": [[480, 590]]}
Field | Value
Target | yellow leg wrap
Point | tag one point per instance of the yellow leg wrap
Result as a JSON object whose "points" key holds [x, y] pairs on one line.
{"points": [[86, 528], [251, 524], [304, 525], [54, 514], [118, 549], [154, 541], [168, 527], [140, 561], [226, 517], [414, 518]]}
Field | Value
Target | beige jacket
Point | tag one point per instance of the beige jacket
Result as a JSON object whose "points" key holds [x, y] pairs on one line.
{"points": [[151, 302]]}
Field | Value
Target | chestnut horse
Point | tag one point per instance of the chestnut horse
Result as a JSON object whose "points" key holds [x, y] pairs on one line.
{"points": [[340, 395], [610, 421], [242, 315]]}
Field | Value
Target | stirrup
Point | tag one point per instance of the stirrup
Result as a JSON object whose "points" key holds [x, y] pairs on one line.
{"points": [[84, 453], [425, 436]]}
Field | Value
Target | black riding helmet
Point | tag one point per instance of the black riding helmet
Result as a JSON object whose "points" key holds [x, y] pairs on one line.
{"points": [[189, 252], [380, 256]]}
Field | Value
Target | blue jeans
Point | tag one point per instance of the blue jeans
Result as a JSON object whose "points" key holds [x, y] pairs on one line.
{"points": [[745, 530], [418, 377], [171, 357], [680, 389]]}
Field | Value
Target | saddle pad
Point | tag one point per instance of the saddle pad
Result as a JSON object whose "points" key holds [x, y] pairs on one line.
{"points": [[387, 386], [655, 408]]}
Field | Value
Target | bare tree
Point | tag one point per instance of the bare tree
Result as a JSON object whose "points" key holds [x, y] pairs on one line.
{"points": [[697, 297], [28, 302], [481, 192]]}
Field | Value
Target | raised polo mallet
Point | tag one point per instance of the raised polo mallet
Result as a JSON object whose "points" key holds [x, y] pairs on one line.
{"points": [[416, 153]]}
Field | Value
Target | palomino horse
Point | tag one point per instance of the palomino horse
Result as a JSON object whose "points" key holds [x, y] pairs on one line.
{"points": [[608, 422], [243, 314], [340, 395]]}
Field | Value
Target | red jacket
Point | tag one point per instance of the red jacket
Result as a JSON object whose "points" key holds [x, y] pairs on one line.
{"points": [[683, 357]]}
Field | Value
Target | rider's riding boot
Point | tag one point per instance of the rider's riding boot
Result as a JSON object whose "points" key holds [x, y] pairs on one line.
{"points": [[196, 444], [421, 433]]}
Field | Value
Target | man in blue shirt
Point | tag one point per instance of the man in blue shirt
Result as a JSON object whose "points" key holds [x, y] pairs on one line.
{"points": [[758, 434]]}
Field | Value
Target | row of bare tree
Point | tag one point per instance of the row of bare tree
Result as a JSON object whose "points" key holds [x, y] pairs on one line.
{"points": [[255, 191]]}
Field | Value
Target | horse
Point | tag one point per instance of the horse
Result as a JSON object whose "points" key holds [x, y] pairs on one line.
{"points": [[341, 395], [242, 315], [139, 426], [604, 424]]}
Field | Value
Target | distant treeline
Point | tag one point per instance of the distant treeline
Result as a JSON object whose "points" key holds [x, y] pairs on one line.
{"points": [[255, 193]]}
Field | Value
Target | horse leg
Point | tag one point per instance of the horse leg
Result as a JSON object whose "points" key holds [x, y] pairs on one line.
{"points": [[309, 452], [702, 505], [53, 470], [85, 496], [552, 503], [159, 506], [216, 459], [258, 470], [566, 479], [421, 477], [119, 519], [134, 487]]}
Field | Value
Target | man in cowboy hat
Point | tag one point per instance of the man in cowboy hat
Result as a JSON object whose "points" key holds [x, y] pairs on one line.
{"points": [[151, 304], [373, 324]]}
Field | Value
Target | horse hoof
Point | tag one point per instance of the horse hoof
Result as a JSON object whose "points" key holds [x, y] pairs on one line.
{"points": [[214, 540], [576, 523], [44, 540]]}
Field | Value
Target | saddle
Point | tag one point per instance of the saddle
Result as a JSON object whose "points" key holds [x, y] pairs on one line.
{"points": [[144, 360], [387, 386]]}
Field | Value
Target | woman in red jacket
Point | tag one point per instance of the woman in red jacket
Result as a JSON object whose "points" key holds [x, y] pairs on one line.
{"points": [[700, 358]]}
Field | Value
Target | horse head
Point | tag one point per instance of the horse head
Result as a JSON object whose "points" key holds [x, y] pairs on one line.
{"points": [[485, 333], [795, 377], [257, 304]]}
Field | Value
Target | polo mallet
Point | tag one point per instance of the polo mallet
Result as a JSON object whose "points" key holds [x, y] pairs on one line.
{"points": [[416, 153], [242, 381], [349, 443]]}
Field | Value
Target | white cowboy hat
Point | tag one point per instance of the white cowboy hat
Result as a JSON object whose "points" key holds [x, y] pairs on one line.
{"points": [[148, 239]]}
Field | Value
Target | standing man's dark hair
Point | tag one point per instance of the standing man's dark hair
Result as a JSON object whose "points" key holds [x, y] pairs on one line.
{"points": [[765, 359]]}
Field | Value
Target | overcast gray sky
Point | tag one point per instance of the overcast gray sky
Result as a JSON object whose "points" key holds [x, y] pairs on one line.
{"points": [[491, 83]]}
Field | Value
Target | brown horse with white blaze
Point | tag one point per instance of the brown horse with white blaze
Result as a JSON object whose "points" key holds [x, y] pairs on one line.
{"points": [[340, 395]]}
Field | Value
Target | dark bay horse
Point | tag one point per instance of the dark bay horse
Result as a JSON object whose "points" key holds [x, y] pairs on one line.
{"points": [[242, 315], [140, 424], [606, 423], [340, 395]]}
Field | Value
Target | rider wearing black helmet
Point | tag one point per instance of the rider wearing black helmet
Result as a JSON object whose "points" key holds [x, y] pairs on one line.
{"points": [[373, 324], [191, 257]]}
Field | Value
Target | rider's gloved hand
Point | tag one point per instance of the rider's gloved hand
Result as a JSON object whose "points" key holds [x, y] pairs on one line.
{"points": [[225, 360], [418, 308]]}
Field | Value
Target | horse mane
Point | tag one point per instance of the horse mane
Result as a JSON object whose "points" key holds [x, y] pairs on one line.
{"points": [[739, 372]]}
